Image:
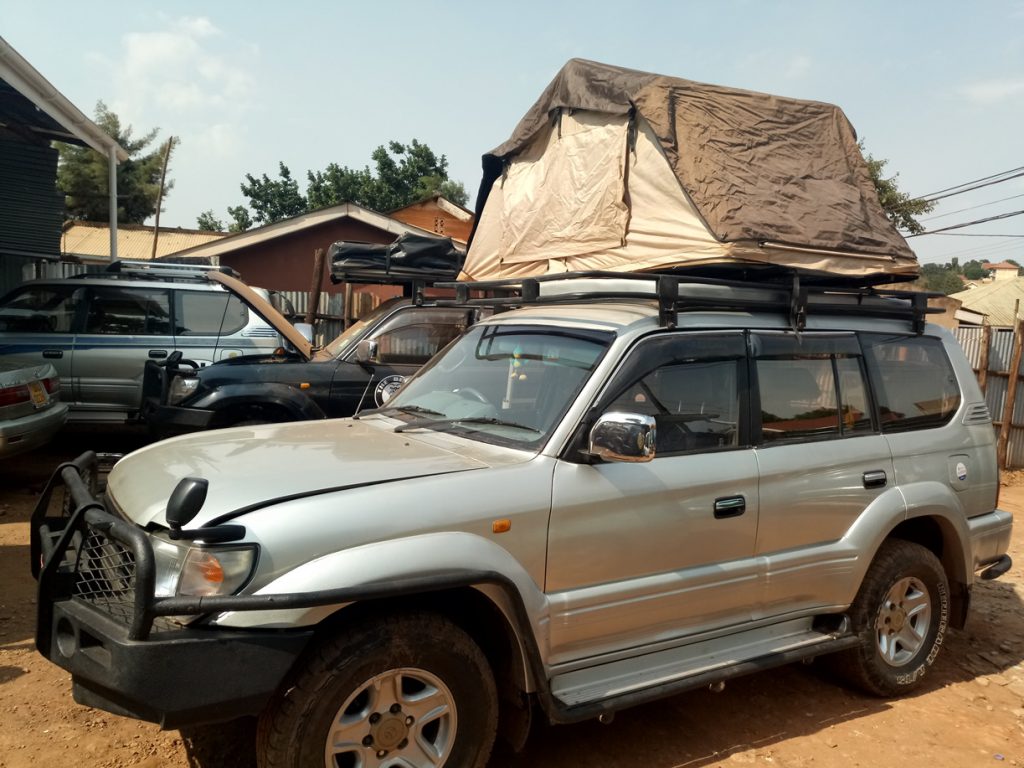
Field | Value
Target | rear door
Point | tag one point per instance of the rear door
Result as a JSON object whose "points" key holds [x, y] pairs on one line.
{"points": [[38, 323], [124, 326], [822, 463]]}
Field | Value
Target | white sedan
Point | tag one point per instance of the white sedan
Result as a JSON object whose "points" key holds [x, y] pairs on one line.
{"points": [[30, 408]]}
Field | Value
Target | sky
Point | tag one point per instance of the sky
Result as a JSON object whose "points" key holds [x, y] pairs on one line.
{"points": [[936, 88]]}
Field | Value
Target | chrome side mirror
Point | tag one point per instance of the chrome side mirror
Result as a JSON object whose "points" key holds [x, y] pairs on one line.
{"points": [[623, 437], [367, 351]]}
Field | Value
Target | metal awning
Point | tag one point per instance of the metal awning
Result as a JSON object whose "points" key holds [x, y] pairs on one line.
{"points": [[29, 102]]}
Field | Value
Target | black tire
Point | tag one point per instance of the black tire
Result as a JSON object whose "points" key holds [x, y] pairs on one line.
{"points": [[293, 730], [901, 568]]}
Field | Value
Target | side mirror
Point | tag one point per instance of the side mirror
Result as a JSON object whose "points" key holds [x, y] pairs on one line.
{"points": [[367, 351], [186, 500], [623, 437], [306, 330]]}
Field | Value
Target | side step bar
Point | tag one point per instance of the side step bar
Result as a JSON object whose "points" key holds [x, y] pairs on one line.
{"points": [[587, 693]]}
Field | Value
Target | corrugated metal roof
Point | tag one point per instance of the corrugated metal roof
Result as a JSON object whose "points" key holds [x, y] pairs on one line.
{"points": [[997, 300], [91, 240]]}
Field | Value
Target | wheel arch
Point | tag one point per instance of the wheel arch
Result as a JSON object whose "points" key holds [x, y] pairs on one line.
{"points": [[938, 534]]}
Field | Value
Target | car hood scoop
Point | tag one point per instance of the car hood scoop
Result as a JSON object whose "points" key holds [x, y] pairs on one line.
{"points": [[247, 467]]}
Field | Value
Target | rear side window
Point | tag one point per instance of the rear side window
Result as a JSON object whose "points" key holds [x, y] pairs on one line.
{"points": [[40, 309], [913, 381], [208, 313], [812, 388], [128, 312]]}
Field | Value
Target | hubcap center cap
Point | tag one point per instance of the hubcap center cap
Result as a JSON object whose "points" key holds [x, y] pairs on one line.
{"points": [[389, 732]]}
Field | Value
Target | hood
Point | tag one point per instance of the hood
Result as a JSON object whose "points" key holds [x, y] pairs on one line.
{"points": [[264, 309], [246, 466]]}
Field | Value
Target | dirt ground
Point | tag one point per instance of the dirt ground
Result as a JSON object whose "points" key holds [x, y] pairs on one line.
{"points": [[970, 711]]}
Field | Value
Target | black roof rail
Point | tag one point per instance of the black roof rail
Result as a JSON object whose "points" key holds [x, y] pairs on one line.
{"points": [[160, 270], [675, 293]]}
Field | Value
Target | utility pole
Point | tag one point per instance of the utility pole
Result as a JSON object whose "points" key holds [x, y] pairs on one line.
{"points": [[160, 195]]}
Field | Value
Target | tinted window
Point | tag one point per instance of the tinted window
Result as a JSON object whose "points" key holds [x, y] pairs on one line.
{"points": [[40, 309], [128, 312], [798, 399], [811, 388], [208, 313], [690, 385], [913, 381]]}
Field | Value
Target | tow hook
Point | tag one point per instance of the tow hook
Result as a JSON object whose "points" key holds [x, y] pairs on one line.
{"points": [[717, 687], [606, 718]]}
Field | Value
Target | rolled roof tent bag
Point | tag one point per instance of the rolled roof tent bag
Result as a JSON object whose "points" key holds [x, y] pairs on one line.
{"points": [[410, 257], [619, 170]]}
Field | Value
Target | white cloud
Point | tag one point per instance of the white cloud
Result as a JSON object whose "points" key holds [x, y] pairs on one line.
{"points": [[992, 91]]}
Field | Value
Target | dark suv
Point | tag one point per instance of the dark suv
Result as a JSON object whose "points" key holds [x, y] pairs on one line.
{"points": [[301, 383]]}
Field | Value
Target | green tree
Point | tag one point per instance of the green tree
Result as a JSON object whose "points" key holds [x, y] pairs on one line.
{"points": [[208, 222], [900, 207], [274, 199], [401, 174], [82, 174], [941, 278], [974, 271]]}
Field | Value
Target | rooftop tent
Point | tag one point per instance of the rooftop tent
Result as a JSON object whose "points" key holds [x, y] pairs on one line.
{"points": [[614, 169]]}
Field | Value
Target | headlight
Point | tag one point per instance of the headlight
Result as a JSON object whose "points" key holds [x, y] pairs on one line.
{"points": [[186, 569], [181, 387]]}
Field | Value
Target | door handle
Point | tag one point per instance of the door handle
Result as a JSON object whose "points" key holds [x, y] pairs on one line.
{"points": [[158, 354], [875, 479], [53, 354], [730, 506]]}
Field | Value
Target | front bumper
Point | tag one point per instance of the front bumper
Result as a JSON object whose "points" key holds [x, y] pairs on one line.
{"points": [[99, 619], [175, 678], [174, 419]]}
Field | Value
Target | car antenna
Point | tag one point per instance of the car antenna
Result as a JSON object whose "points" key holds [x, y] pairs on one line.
{"points": [[362, 397]]}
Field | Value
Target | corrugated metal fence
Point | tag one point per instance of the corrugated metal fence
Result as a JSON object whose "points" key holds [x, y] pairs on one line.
{"points": [[990, 352]]}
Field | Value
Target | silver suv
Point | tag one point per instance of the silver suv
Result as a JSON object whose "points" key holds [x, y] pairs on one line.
{"points": [[99, 330], [616, 490]]}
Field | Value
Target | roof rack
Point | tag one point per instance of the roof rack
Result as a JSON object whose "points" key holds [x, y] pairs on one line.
{"points": [[161, 270], [677, 293]]}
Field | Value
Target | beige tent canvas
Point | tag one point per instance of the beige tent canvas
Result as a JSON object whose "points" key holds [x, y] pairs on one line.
{"points": [[614, 169]]}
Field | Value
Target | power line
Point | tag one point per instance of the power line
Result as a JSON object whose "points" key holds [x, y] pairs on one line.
{"points": [[984, 181], [970, 234], [969, 223], [971, 208]]}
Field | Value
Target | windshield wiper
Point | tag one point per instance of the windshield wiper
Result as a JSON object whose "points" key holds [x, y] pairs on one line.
{"points": [[392, 408], [430, 423]]}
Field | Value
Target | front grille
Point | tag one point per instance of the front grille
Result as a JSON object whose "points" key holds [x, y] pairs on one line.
{"points": [[105, 576]]}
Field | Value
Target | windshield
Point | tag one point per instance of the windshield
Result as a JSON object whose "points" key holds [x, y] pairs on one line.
{"points": [[503, 384]]}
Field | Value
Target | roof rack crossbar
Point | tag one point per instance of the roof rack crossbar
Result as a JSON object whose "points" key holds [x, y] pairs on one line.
{"points": [[796, 300]]}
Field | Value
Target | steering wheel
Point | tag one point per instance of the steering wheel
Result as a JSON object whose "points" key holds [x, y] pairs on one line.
{"points": [[473, 393]]}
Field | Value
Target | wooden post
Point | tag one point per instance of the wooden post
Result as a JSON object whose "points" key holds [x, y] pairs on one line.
{"points": [[160, 194], [346, 310], [986, 346], [1011, 396], [318, 282]]}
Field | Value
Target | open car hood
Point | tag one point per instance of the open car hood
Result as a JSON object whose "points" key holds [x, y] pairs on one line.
{"points": [[263, 308]]}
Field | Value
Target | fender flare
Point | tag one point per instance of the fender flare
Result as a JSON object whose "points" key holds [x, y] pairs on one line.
{"points": [[413, 565], [294, 401]]}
